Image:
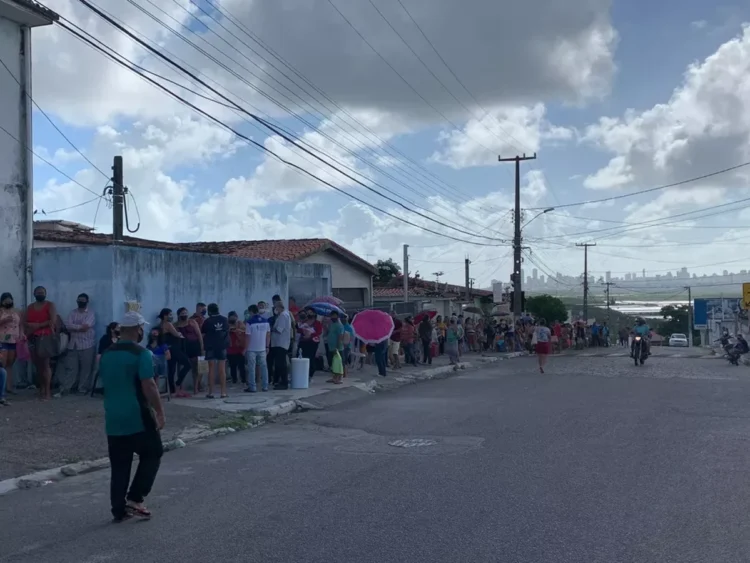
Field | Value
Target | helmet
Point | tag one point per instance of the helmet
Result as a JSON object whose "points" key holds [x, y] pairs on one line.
{"points": [[640, 321]]}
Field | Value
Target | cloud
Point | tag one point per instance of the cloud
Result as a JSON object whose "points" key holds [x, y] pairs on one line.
{"points": [[703, 127], [502, 131], [698, 24]]}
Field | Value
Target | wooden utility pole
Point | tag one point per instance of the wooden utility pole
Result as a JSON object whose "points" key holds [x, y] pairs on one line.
{"points": [[406, 273], [118, 200], [517, 287], [466, 268], [608, 284], [690, 316], [585, 246]]}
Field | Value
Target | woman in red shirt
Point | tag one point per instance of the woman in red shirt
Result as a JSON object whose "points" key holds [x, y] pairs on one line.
{"points": [[41, 328], [310, 331], [237, 347]]}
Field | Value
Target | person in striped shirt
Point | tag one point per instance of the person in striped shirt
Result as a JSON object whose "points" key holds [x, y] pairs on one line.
{"points": [[78, 364]]}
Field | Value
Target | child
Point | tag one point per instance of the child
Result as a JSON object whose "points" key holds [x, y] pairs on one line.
{"points": [[160, 353]]}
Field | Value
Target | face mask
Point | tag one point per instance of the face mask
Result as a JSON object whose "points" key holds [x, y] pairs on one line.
{"points": [[82, 304], [170, 318], [311, 316], [8, 305], [40, 298], [183, 316], [117, 333], [232, 319], [261, 310], [203, 313]]}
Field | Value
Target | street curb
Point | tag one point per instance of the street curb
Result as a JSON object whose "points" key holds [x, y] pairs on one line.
{"points": [[259, 418]]}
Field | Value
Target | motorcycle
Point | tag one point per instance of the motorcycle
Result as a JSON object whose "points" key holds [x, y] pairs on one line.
{"points": [[640, 350]]}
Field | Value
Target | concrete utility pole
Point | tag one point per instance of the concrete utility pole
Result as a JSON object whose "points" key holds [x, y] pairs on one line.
{"points": [[585, 246], [608, 284], [437, 279], [406, 273], [118, 200], [466, 268], [690, 316], [517, 233]]}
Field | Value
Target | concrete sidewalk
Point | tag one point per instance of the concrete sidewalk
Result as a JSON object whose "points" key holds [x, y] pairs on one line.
{"points": [[43, 442], [323, 394]]}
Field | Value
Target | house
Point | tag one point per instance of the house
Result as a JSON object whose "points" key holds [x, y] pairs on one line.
{"points": [[351, 276], [17, 18], [445, 298]]}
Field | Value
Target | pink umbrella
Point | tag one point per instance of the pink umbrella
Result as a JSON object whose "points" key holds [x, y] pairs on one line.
{"points": [[372, 326], [327, 299]]}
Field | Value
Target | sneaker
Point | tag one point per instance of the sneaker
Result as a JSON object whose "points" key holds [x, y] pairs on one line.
{"points": [[4, 403], [248, 390]]}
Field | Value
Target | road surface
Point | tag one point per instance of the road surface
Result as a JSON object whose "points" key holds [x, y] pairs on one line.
{"points": [[596, 461]]}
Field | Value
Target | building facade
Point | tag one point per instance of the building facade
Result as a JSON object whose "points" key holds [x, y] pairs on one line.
{"points": [[17, 18]]}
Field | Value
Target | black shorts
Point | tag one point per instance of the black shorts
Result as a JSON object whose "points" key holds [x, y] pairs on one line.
{"points": [[216, 355]]}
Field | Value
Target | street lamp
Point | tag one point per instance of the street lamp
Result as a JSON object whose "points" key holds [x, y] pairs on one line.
{"points": [[538, 215]]}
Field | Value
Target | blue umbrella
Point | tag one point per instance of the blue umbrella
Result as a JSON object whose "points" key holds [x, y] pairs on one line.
{"points": [[325, 308]]}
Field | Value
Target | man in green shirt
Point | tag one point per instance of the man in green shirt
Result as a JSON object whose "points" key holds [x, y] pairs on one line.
{"points": [[133, 416]]}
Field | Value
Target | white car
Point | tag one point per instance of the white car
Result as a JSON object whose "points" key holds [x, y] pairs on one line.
{"points": [[678, 340]]}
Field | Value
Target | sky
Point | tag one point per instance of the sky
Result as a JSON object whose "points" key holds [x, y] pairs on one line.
{"points": [[401, 108]]}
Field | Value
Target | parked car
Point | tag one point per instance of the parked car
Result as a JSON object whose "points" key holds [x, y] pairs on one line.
{"points": [[678, 340]]}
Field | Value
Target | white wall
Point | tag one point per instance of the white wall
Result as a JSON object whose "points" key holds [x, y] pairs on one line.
{"points": [[14, 190], [344, 274]]}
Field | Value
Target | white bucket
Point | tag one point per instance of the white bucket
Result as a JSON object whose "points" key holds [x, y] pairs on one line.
{"points": [[300, 373]]}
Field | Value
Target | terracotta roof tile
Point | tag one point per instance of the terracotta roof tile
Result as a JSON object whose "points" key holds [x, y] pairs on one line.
{"points": [[284, 250]]}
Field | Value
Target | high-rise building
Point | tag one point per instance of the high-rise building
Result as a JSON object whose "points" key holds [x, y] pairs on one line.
{"points": [[608, 276], [534, 274]]}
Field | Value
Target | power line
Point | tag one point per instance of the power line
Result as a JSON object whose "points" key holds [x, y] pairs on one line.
{"points": [[24, 145], [44, 113], [43, 212], [289, 135], [258, 145], [649, 190], [268, 125]]}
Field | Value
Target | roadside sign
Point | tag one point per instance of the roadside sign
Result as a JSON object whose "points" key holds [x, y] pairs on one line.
{"points": [[746, 296]]}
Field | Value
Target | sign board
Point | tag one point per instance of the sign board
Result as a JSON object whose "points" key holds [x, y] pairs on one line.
{"points": [[711, 313], [746, 296]]}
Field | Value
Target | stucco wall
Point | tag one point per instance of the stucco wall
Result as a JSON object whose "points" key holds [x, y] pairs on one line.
{"points": [[13, 189], [344, 274], [67, 272], [111, 276]]}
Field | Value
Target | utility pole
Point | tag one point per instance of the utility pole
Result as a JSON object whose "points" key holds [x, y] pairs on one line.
{"points": [[437, 279], [690, 316], [608, 284], [406, 273], [118, 200], [585, 246], [466, 268], [517, 287]]}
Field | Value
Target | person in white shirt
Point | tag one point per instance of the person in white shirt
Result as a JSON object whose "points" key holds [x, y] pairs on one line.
{"points": [[281, 336], [258, 334]]}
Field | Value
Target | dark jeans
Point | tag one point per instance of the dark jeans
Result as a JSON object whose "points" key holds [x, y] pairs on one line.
{"points": [[381, 357], [121, 449], [278, 357], [426, 356], [441, 345], [177, 357], [237, 363], [309, 349], [409, 356]]}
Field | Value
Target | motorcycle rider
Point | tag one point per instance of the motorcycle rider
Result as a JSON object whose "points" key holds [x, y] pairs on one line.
{"points": [[740, 347], [641, 329]]}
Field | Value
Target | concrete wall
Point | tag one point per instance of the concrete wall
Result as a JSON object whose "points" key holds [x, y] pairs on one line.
{"points": [[112, 276], [15, 196], [67, 272], [344, 274]]}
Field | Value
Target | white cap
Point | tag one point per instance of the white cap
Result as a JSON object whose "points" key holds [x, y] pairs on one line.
{"points": [[132, 319]]}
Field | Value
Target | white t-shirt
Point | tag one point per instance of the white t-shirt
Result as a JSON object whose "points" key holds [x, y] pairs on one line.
{"points": [[256, 333]]}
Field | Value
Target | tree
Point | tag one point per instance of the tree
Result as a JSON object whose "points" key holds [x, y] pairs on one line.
{"points": [[547, 307], [387, 270], [676, 321]]}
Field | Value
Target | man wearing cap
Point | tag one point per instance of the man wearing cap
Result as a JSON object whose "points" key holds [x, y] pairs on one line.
{"points": [[133, 416]]}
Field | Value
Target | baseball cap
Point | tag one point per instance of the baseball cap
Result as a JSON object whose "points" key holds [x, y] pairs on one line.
{"points": [[132, 319]]}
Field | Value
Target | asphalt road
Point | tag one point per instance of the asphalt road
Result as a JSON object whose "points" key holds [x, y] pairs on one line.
{"points": [[596, 461]]}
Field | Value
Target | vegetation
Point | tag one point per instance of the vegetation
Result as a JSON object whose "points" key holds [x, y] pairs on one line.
{"points": [[387, 270], [675, 321], [547, 307]]}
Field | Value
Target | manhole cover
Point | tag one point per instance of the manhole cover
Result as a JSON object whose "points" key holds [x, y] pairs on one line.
{"points": [[415, 443]]}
